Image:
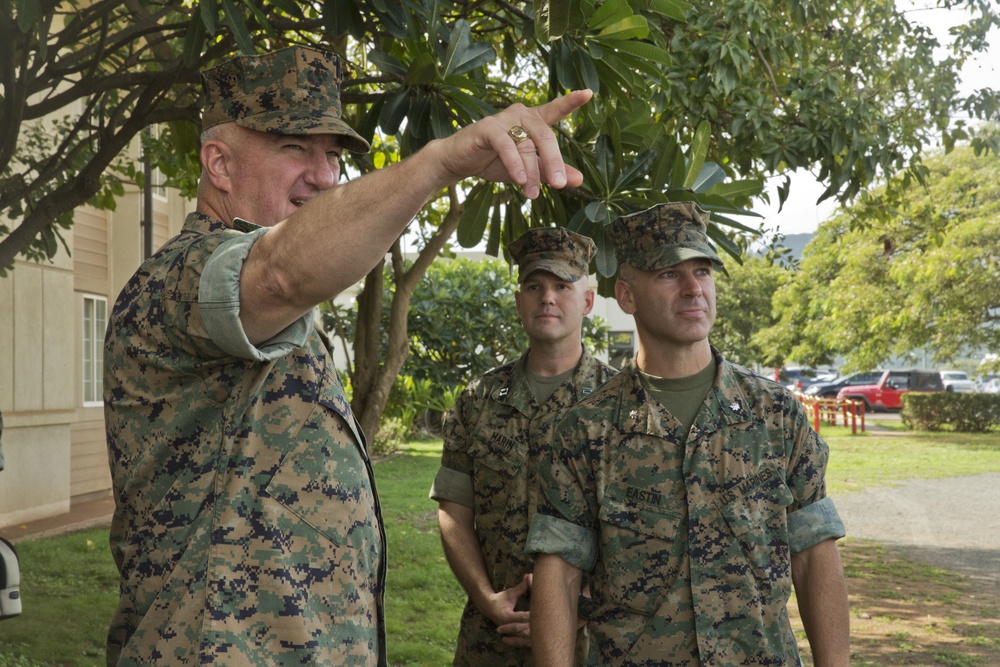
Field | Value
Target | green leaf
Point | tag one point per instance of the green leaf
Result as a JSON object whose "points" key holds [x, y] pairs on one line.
{"points": [[516, 224], [239, 28], [387, 63], [745, 188], [261, 18], [29, 12], [633, 26], [552, 19], [586, 71], [464, 55], [710, 174], [394, 111], [643, 50], [210, 15], [596, 211], [475, 215], [493, 240], [292, 8], [609, 13], [660, 175], [422, 71], [636, 171], [675, 9], [605, 260], [194, 39], [605, 152], [441, 125], [343, 17], [698, 151]]}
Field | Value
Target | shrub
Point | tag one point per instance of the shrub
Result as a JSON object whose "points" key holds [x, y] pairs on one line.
{"points": [[391, 436], [966, 413]]}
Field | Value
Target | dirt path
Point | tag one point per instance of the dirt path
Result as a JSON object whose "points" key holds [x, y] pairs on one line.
{"points": [[951, 523]]}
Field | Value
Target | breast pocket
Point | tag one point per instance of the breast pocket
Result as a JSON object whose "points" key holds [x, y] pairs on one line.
{"points": [[640, 553], [323, 480], [759, 522]]}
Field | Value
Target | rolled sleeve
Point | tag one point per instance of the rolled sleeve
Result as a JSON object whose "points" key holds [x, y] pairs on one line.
{"points": [[453, 486], [814, 523], [574, 544], [219, 302]]}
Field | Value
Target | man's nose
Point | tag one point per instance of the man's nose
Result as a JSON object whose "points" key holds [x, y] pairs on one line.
{"points": [[323, 172], [690, 285]]}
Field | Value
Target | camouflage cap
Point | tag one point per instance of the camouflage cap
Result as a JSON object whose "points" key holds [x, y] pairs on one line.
{"points": [[295, 90], [662, 236], [557, 250]]}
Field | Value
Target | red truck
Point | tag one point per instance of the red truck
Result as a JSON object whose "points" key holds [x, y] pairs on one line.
{"points": [[887, 392]]}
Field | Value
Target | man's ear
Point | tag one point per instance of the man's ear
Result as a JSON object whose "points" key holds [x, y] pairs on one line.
{"points": [[215, 160], [623, 294], [588, 301]]}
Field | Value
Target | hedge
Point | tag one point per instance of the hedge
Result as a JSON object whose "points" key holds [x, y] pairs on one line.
{"points": [[966, 413]]}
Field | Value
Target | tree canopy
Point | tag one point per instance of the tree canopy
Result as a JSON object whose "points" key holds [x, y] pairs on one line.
{"points": [[743, 307], [693, 101], [850, 87], [927, 279]]}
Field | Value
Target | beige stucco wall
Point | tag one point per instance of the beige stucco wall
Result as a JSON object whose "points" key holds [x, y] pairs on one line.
{"points": [[37, 397], [53, 444]]}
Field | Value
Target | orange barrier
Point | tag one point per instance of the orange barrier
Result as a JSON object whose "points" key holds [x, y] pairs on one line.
{"points": [[830, 410]]}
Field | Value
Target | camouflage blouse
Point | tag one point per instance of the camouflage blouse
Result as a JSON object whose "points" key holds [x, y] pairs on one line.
{"points": [[247, 528], [492, 446], [687, 544]]}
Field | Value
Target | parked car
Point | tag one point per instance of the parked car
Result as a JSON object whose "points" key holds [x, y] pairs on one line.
{"points": [[887, 392], [957, 381], [797, 378], [991, 386], [830, 388]]}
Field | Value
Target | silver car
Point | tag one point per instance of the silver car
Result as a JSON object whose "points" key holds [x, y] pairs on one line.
{"points": [[957, 381]]}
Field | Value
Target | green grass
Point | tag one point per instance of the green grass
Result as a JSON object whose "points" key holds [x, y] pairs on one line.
{"points": [[69, 585], [69, 588], [423, 600], [860, 461]]}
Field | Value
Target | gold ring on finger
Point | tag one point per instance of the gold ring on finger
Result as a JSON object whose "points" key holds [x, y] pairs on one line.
{"points": [[518, 134]]}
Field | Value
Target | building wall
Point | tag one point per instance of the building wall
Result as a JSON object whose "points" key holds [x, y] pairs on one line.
{"points": [[53, 441], [37, 398]]}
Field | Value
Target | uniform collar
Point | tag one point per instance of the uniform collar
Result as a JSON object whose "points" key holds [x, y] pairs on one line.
{"points": [[726, 404], [516, 392]]}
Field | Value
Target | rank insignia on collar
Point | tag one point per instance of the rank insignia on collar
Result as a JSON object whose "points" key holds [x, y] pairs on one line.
{"points": [[633, 414], [503, 392], [734, 406], [586, 391]]}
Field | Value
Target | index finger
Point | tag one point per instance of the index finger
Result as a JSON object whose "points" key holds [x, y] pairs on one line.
{"points": [[550, 161]]}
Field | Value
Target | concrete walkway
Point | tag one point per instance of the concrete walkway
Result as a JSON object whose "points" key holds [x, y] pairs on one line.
{"points": [[951, 523], [82, 516]]}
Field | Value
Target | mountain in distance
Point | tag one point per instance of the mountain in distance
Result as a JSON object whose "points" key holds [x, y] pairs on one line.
{"points": [[794, 242], [797, 243]]}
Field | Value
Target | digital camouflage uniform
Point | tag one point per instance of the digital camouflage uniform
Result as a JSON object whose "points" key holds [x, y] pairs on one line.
{"points": [[687, 539], [687, 543], [492, 443], [247, 529]]}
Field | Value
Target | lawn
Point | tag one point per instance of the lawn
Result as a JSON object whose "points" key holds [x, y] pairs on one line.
{"points": [[69, 585]]}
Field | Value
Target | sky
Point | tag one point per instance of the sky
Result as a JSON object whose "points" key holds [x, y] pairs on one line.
{"points": [[800, 213]]}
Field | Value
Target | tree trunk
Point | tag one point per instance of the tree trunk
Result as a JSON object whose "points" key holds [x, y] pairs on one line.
{"points": [[373, 380]]}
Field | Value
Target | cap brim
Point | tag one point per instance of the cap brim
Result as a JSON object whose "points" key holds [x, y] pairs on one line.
{"points": [[674, 255], [306, 121], [561, 270]]}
